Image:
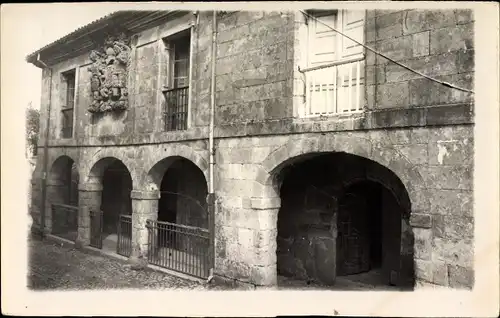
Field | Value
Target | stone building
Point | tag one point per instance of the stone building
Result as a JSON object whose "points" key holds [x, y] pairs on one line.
{"points": [[284, 149]]}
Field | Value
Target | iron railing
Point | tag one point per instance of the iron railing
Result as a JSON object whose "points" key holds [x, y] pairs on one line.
{"points": [[124, 244], [337, 88], [176, 108], [96, 222], [178, 247], [65, 221]]}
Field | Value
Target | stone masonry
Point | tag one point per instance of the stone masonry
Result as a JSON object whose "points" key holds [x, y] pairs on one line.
{"points": [[420, 130]]}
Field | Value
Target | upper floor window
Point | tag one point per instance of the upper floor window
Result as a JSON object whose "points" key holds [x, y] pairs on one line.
{"points": [[327, 46], [176, 90], [69, 105], [335, 64]]}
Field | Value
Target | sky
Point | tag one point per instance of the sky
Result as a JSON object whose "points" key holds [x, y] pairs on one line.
{"points": [[29, 27]]}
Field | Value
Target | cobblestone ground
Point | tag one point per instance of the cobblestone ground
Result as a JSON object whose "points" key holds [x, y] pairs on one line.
{"points": [[56, 267]]}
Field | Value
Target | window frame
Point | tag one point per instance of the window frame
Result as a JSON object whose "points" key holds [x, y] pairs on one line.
{"points": [[69, 76], [169, 84]]}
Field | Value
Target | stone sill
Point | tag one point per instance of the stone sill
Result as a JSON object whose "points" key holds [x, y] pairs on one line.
{"points": [[441, 115]]}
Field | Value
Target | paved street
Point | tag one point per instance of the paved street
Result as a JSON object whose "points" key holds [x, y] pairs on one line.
{"points": [[56, 267]]}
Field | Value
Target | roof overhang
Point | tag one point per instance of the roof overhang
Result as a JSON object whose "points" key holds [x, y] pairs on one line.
{"points": [[91, 35]]}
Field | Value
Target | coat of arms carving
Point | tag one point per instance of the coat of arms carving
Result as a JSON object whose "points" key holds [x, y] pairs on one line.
{"points": [[108, 83]]}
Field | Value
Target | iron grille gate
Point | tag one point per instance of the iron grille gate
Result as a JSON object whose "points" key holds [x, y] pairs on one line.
{"points": [[178, 247], [96, 220], [65, 221], [124, 244]]}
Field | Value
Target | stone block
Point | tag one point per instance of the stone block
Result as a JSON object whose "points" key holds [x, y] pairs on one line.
{"points": [[434, 65], [375, 74], [423, 243], [461, 277], [423, 20], [432, 271], [421, 220], [451, 202], [463, 16], [460, 37], [399, 48], [415, 153], [453, 251], [268, 219], [264, 275], [393, 95], [419, 135], [453, 114], [389, 25], [465, 61], [452, 152], [458, 227], [448, 177], [421, 44]]}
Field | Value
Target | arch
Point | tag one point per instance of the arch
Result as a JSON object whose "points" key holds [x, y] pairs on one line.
{"points": [[159, 161], [103, 158], [365, 169], [386, 156], [59, 164]]}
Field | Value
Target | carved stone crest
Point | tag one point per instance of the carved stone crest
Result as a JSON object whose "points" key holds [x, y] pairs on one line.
{"points": [[108, 83]]}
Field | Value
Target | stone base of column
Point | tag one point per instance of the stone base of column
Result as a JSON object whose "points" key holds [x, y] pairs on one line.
{"points": [[231, 283]]}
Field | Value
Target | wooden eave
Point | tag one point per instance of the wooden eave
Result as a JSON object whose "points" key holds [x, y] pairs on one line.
{"points": [[91, 36]]}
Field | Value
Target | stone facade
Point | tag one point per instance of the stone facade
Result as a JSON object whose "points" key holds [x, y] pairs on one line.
{"points": [[419, 131]]}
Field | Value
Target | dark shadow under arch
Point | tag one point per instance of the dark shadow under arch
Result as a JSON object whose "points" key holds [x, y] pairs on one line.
{"points": [[314, 191]]}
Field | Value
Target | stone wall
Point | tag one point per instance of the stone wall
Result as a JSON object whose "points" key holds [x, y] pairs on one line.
{"points": [[420, 130], [440, 191], [438, 43]]}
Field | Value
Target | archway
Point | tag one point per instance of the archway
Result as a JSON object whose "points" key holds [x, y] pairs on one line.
{"points": [[180, 233], [108, 187], [116, 204], [62, 198], [340, 223]]}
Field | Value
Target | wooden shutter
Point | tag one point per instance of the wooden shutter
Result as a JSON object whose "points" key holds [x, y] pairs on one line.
{"points": [[352, 24], [322, 39]]}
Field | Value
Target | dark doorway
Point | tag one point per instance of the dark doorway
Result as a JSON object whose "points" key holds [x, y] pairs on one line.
{"points": [[115, 201], [337, 227]]}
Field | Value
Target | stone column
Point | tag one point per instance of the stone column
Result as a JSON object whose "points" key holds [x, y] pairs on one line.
{"points": [[264, 271], [56, 191], [89, 198], [144, 207]]}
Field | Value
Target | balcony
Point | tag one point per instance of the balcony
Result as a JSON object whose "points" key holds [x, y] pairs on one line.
{"points": [[334, 89]]}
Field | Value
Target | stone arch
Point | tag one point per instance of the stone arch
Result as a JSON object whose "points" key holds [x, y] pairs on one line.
{"points": [[92, 172], [387, 156], [58, 165], [159, 161], [401, 178]]}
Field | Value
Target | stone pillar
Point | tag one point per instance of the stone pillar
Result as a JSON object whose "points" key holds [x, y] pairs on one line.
{"points": [[264, 271], [144, 207], [56, 193], [89, 198]]}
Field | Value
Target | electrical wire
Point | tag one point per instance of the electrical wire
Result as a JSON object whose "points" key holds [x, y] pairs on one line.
{"points": [[388, 58]]}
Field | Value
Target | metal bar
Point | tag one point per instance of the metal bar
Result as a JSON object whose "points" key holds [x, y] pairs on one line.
{"points": [[337, 63], [358, 84], [335, 93], [349, 89]]}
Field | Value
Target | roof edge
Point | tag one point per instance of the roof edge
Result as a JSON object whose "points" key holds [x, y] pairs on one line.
{"points": [[33, 58]]}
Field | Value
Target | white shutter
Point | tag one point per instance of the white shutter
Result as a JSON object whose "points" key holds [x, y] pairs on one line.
{"points": [[322, 40], [352, 24]]}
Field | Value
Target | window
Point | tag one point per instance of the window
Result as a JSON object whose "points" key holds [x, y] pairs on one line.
{"points": [[335, 64], [69, 105], [327, 46], [176, 90]]}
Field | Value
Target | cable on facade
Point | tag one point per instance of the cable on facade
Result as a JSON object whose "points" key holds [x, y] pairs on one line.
{"points": [[388, 58]]}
